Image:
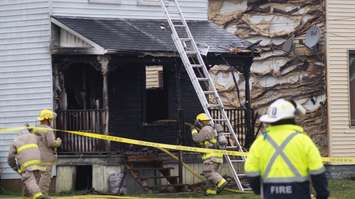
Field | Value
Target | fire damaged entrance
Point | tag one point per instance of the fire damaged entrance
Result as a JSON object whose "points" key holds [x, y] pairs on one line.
{"points": [[134, 88], [141, 99]]}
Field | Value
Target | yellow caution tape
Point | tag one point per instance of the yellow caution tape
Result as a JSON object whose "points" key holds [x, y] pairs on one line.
{"points": [[101, 196], [11, 130], [338, 160], [153, 144]]}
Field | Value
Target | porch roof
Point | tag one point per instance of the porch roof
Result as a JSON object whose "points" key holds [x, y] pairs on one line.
{"points": [[137, 35]]}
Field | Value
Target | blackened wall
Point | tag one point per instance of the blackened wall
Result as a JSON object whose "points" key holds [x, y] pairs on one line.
{"points": [[189, 100], [126, 100], [127, 104]]}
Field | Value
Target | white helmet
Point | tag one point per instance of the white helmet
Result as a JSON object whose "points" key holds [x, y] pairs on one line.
{"points": [[279, 110]]}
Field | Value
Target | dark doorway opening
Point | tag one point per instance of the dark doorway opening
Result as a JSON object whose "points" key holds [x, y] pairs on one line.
{"points": [[83, 177], [83, 85]]}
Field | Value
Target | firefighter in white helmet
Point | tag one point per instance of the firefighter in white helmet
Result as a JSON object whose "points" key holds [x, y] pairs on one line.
{"points": [[283, 160], [48, 144], [205, 135]]}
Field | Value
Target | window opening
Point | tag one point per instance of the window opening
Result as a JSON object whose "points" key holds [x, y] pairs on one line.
{"points": [[156, 94]]}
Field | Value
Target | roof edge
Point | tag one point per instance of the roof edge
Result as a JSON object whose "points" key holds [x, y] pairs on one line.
{"points": [[100, 50]]}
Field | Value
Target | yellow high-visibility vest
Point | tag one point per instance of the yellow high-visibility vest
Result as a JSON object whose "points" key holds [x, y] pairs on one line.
{"points": [[284, 153]]}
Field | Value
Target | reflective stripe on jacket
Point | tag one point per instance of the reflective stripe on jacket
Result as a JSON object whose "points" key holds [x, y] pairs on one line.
{"points": [[283, 154], [206, 137], [24, 153]]}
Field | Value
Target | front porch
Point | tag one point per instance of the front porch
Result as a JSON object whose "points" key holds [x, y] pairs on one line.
{"points": [[135, 91]]}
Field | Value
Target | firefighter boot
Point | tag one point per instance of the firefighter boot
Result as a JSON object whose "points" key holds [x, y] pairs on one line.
{"points": [[211, 191], [221, 185]]}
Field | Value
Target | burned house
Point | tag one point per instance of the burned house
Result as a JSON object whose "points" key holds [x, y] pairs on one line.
{"points": [[108, 67]]}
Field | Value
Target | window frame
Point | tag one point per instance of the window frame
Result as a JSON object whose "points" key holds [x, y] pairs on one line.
{"points": [[350, 54]]}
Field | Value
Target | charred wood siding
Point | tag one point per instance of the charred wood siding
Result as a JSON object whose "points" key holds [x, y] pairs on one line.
{"points": [[189, 99], [126, 101], [127, 105]]}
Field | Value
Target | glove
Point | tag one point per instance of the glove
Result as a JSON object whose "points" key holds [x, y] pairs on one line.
{"points": [[58, 141], [222, 140], [29, 128]]}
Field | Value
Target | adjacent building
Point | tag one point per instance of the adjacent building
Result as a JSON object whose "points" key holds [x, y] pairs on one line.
{"points": [[340, 77]]}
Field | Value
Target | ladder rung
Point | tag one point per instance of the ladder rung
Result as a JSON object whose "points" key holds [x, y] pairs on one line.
{"points": [[209, 92], [191, 52], [196, 65], [174, 20], [179, 25], [202, 79], [214, 106], [237, 161], [182, 39], [185, 39]]}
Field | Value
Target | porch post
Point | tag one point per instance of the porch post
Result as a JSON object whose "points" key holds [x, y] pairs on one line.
{"points": [[248, 113], [104, 61], [179, 117]]}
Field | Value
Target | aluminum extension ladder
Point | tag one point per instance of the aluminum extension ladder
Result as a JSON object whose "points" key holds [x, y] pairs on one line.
{"points": [[200, 78]]}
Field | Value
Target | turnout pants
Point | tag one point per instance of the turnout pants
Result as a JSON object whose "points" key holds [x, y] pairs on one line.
{"points": [[45, 179], [30, 181], [210, 171]]}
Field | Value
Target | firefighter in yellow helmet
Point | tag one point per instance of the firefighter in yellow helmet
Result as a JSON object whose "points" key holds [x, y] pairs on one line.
{"points": [[47, 143], [24, 157], [205, 135], [283, 160]]}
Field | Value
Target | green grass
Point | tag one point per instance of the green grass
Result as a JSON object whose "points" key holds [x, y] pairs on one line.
{"points": [[340, 189]]}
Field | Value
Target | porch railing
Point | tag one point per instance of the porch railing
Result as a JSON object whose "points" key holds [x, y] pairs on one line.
{"points": [[80, 120], [237, 119], [93, 121]]}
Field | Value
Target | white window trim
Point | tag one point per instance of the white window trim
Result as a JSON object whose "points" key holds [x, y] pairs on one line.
{"points": [[104, 1], [148, 2]]}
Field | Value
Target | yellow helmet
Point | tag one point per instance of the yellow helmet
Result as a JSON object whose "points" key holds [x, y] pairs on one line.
{"points": [[46, 114], [202, 117]]}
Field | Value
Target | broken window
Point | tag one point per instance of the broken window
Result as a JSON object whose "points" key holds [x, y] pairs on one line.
{"points": [[352, 86], [156, 94]]}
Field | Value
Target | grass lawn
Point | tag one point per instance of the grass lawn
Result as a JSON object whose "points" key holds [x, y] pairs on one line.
{"points": [[340, 189]]}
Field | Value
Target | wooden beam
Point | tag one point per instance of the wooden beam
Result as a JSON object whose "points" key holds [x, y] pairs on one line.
{"points": [[104, 62]]}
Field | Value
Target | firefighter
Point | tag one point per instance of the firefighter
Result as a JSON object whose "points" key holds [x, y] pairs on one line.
{"points": [[48, 144], [24, 157], [205, 135], [283, 160]]}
